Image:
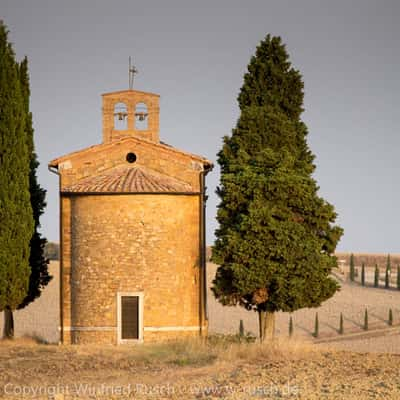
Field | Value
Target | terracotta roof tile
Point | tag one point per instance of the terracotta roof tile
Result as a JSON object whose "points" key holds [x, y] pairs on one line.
{"points": [[132, 179]]}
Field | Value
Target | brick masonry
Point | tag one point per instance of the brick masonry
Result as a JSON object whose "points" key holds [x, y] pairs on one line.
{"points": [[132, 243]]}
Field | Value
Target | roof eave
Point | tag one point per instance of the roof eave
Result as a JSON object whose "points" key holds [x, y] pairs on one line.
{"points": [[55, 162]]}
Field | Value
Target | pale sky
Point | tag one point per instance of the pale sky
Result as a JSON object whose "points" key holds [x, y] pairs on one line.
{"points": [[194, 54]]}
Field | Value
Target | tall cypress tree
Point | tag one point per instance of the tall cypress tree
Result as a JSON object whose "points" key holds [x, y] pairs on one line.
{"points": [[388, 264], [376, 276], [15, 207], [352, 267], [39, 276], [276, 235]]}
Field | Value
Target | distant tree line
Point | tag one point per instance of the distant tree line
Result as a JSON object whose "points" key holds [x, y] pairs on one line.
{"points": [[52, 251]]}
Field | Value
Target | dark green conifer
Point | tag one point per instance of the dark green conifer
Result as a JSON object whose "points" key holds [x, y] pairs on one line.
{"points": [[15, 207], [341, 327], [390, 320], [241, 329], [39, 276], [398, 277], [316, 326], [387, 277], [363, 274], [366, 320], [352, 268], [388, 264], [290, 326], [276, 237], [376, 276]]}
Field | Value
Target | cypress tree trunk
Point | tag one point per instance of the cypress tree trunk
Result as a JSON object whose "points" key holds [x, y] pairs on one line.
{"points": [[8, 332], [261, 324], [269, 330], [266, 325]]}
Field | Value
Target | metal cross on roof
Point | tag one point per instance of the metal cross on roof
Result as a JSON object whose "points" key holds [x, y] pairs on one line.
{"points": [[132, 72]]}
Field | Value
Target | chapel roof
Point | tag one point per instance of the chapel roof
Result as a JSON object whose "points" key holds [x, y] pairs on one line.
{"points": [[129, 179], [105, 146]]}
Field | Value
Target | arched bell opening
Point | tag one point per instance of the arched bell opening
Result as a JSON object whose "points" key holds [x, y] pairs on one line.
{"points": [[120, 117], [141, 117]]}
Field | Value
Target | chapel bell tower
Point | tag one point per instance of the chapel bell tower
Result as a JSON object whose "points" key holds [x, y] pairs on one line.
{"points": [[131, 113]]}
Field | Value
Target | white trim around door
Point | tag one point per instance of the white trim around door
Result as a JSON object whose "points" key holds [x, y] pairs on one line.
{"points": [[140, 296]]}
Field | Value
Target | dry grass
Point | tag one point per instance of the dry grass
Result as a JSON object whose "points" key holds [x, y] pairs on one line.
{"points": [[218, 368], [193, 352]]}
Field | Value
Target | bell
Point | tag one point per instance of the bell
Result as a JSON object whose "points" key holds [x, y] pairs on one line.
{"points": [[121, 116], [141, 116]]}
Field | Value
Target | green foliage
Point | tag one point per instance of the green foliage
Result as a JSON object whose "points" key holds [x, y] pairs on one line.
{"points": [[276, 236], [228, 339], [388, 263], [398, 277], [341, 327], [290, 326], [241, 328], [366, 320], [52, 251], [390, 320], [363, 274], [17, 224], [39, 276], [387, 277], [376, 276], [352, 268], [316, 326]]}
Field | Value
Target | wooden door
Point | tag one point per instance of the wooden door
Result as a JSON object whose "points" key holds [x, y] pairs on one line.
{"points": [[129, 317]]}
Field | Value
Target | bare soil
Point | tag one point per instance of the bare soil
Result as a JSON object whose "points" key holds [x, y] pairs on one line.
{"points": [[193, 370]]}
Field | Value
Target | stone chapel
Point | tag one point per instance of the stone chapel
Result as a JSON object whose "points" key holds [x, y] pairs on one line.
{"points": [[132, 232]]}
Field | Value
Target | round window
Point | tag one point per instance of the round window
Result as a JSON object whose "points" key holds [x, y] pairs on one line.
{"points": [[131, 157]]}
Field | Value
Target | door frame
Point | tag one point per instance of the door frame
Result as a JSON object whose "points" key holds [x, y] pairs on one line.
{"points": [[140, 296]]}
